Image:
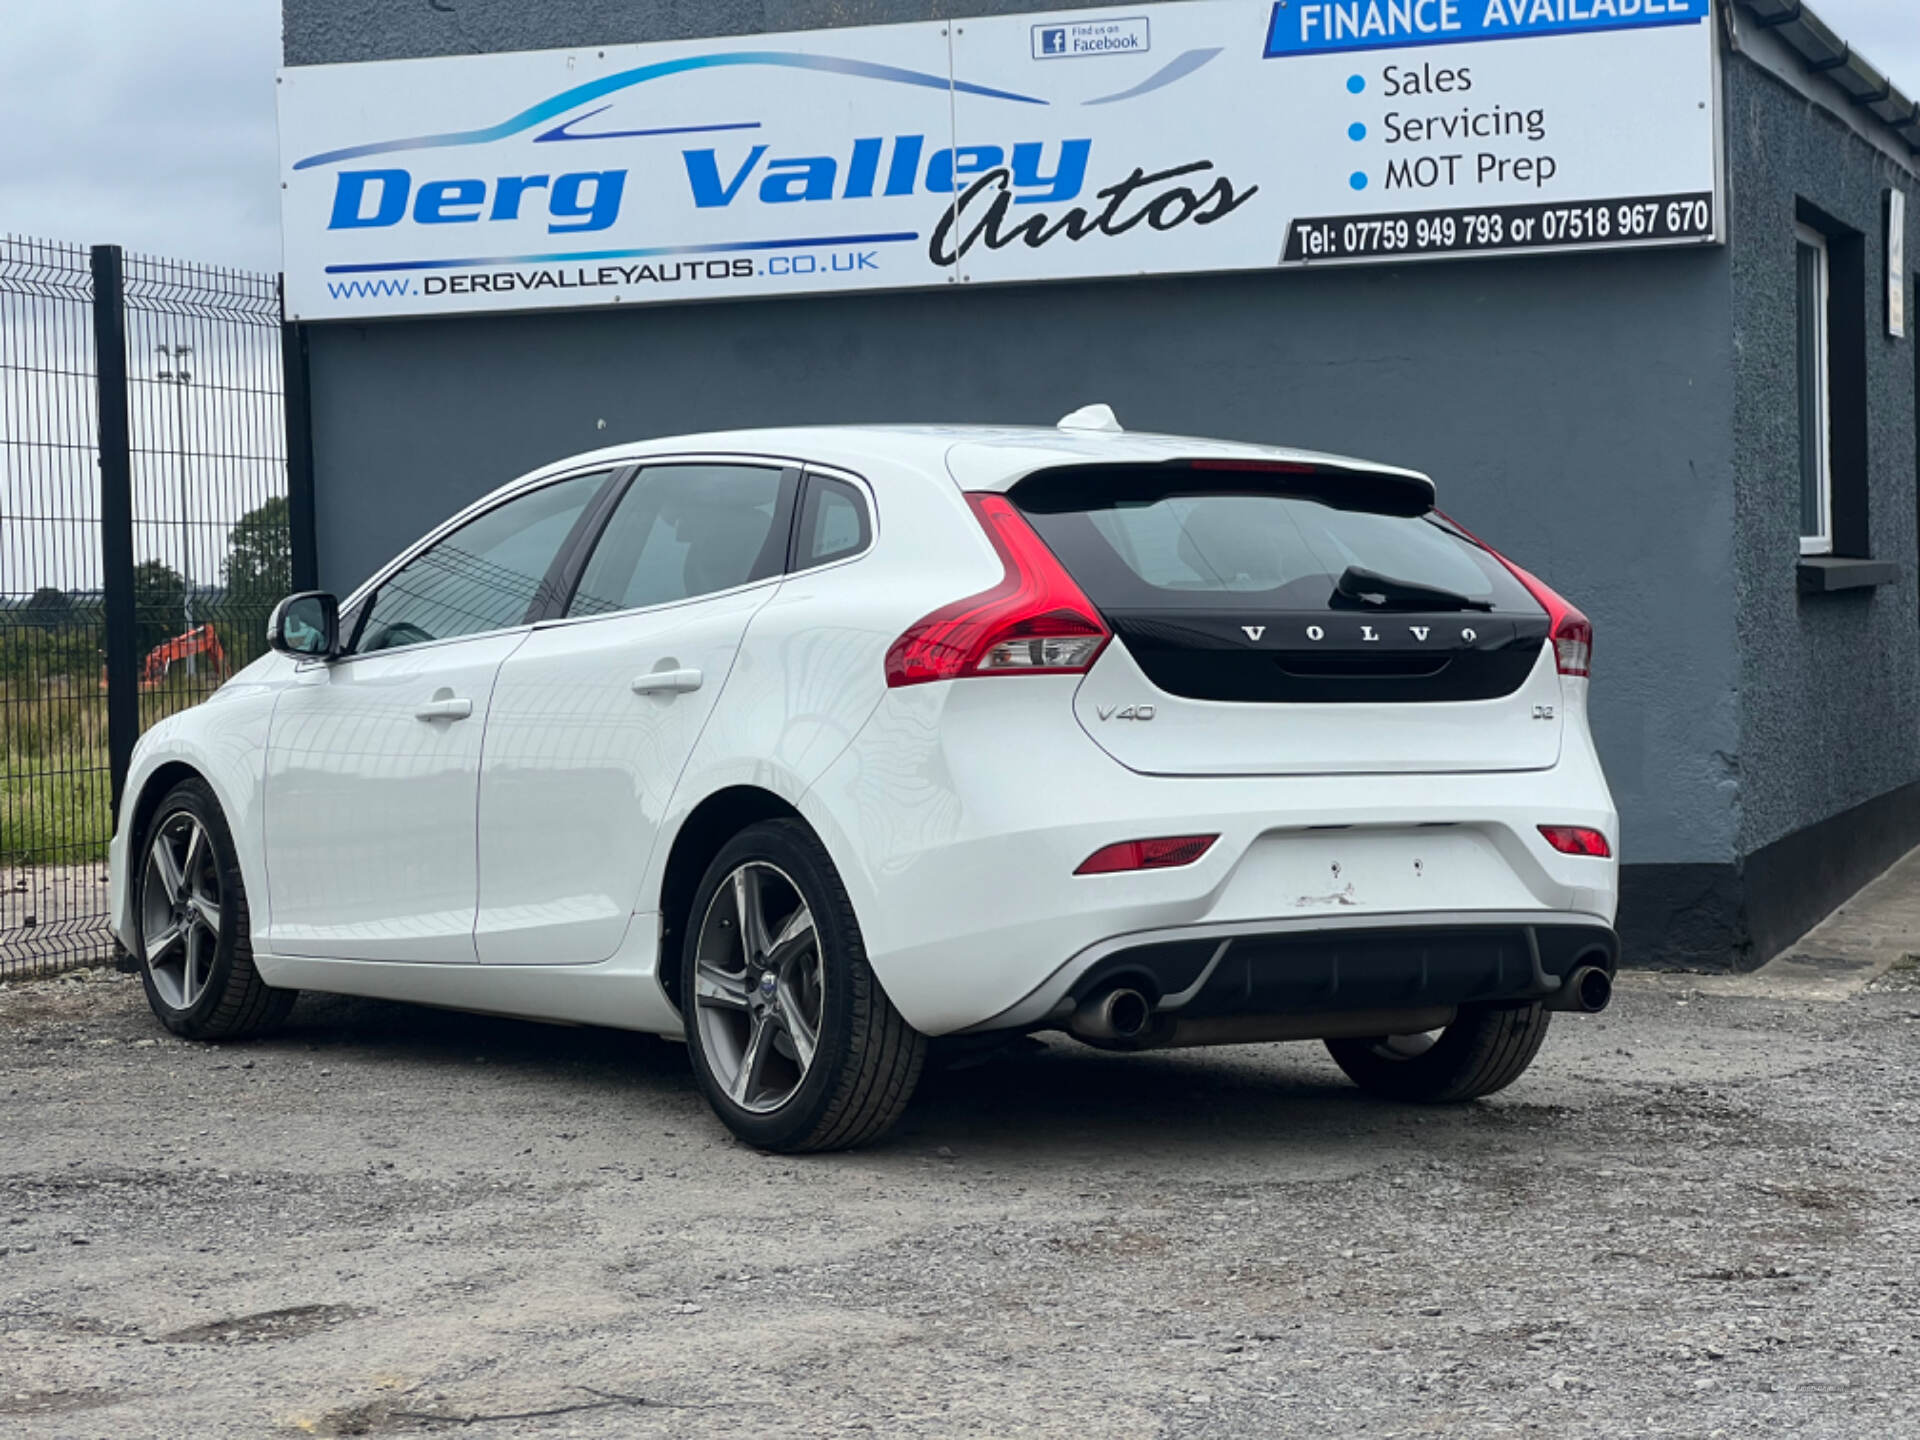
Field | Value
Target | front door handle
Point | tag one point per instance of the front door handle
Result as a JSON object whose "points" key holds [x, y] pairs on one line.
{"points": [[444, 708], [670, 682]]}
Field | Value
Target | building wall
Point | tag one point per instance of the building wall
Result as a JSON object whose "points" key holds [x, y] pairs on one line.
{"points": [[1830, 684], [1573, 410], [1578, 411]]}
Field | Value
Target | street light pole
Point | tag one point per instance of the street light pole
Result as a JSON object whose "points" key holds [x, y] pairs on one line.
{"points": [[179, 377]]}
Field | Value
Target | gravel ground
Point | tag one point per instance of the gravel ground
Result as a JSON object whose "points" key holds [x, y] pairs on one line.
{"points": [[1698, 1215]]}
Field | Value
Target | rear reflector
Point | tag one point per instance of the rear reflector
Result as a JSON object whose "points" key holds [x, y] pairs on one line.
{"points": [[1577, 840], [1167, 853], [1036, 621]]}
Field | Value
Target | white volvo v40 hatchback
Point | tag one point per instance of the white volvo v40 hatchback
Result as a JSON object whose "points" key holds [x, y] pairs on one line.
{"points": [[813, 744]]}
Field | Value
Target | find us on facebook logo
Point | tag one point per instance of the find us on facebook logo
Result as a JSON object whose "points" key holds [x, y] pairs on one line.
{"points": [[1086, 38]]}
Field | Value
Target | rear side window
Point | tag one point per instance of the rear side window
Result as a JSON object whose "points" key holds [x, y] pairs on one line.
{"points": [[1188, 548], [683, 531], [833, 523]]}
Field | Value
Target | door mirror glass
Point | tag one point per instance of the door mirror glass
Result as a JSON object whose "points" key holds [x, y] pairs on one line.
{"points": [[306, 625]]}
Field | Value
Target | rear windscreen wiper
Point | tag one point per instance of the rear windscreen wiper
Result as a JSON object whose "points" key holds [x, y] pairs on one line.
{"points": [[1359, 589]]}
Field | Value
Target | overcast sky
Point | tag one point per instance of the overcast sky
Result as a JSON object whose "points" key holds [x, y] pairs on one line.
{"points": [[151, 123]]}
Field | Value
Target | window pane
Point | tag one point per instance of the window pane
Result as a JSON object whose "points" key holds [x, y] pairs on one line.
{"points": [[1285, 552], [1813, 399], [484, 575], [834, 523], [682, 531]]}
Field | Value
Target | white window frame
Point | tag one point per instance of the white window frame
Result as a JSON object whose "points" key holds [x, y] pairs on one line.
{"points": [[1820, 543]]}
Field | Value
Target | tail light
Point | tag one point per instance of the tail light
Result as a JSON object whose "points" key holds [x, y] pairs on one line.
{"points": [[1167, 853], [1036, 621], [1577, 840], [1570, 631]]}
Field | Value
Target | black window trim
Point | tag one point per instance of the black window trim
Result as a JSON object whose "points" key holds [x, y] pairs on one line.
{"points": [[578, 547], [360, 604], [790, 481], [570, 561]]}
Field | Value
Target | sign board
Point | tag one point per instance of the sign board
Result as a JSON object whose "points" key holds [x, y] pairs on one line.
{"points": [[1207, 136], [1897, 264]]}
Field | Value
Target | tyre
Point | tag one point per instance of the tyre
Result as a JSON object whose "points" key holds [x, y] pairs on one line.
{"points": [[190, 924], [793, 1041], [1481, 1052]]}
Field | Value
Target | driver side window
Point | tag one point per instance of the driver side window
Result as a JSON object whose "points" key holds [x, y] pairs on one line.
{"points": [[484, 576]]}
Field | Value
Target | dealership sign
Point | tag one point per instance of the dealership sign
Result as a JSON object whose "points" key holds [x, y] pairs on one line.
{"points": [[1208, 136]]}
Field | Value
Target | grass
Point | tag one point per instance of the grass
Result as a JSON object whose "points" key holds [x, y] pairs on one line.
{"points": [[56, 783]]}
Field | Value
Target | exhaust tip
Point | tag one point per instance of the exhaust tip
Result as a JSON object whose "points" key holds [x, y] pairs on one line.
{"points": [[1593, 988], [1587, 990], [1127, 1013], [1120, 1015]]}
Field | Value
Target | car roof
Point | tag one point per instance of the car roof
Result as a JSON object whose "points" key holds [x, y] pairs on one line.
{"points": [[977, 457]]}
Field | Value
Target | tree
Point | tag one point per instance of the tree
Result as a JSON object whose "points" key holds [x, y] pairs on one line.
{"points": [[260, 557], [159, 597], [259, 574], [50, 608]]}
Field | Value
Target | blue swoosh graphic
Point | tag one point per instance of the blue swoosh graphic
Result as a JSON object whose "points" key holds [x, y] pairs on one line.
{"points": [[1177, 68], [566, 100], [888, 238], [564, 130]]}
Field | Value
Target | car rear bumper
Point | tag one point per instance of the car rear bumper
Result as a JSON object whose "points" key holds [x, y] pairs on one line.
{"points": [[1327, 968], [958, 816]]}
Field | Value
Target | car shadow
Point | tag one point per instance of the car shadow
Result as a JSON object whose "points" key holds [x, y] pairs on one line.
{"points": [[1075, 1102], [397, 1033], [1035, 1098]]}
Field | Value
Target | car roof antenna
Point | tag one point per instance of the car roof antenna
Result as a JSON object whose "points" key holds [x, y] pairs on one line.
{"points": [[1098, 418]]}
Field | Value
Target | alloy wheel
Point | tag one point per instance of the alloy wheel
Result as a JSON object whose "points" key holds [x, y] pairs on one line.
{"points": [[180, 909], [1406, 1047], [759, 987]]}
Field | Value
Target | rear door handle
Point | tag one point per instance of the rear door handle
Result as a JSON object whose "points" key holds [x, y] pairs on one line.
{"points": [[447, 709], [671, 682]]}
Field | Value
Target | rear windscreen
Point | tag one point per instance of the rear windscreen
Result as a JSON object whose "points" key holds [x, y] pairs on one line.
{"points": [[1192, 550]]}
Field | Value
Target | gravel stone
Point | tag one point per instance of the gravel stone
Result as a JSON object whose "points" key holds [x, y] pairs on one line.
{"points": [[1685, 1220]]}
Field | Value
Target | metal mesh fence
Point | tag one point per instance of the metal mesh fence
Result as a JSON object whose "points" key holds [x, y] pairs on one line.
{"points": [[55, 785], [207, 458]]}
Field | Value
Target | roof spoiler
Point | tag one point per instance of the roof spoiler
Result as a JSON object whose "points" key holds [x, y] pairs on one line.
{"points": [[1339, 486]]}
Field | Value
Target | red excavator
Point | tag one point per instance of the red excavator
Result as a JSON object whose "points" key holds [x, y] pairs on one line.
{"points": [[199, 641]]}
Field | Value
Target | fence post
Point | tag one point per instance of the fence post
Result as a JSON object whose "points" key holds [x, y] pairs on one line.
{"points": [[299, 416], [116, 513]]}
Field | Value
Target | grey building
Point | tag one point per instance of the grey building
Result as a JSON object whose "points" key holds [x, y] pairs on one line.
{"points": [[1641, 426]]}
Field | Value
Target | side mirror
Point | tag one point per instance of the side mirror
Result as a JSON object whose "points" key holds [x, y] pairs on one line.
{"points": [[306, 626]]}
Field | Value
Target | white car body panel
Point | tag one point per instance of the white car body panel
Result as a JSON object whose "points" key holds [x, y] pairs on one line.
{"points": [[370, 835], [619, 992], [958, 816], [1210, 737], [580, 768], [955, 811], [223, 740]]}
